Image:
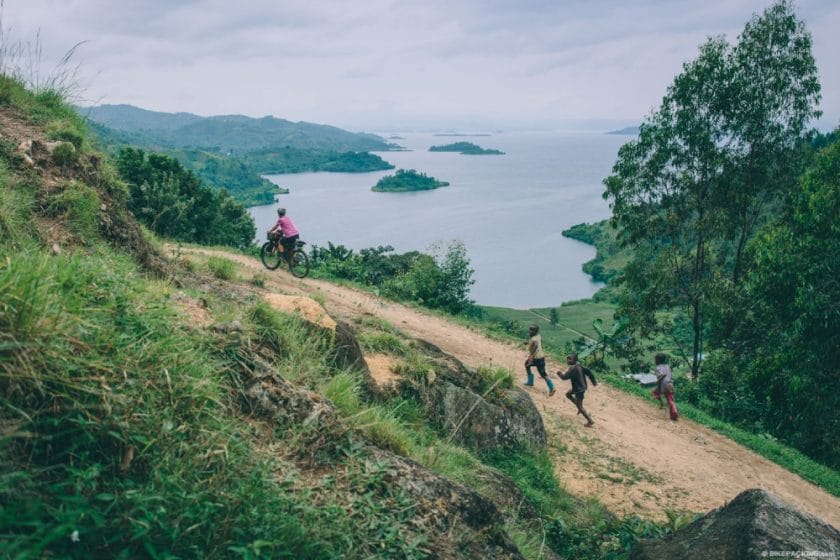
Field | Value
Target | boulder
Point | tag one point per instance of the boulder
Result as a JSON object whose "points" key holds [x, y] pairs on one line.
{"points": [[461, 522], [755, 525], [346, 350], [273, 398], [475, 421]]}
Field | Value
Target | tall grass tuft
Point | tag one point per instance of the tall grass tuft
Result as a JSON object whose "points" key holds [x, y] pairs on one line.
{"points": [[222, 268], [16, 224], [78, 204]]}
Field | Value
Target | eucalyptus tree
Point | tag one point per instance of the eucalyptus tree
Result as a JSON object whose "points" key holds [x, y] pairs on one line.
{"points": [[777, 89], [664, 189], [689, 192]]}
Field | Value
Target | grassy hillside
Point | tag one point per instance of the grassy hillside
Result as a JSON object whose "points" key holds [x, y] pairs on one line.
{"points": [[157, 406]]}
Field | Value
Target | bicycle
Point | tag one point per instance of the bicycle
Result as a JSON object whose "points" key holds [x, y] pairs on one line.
{"points": [[272, 255]]}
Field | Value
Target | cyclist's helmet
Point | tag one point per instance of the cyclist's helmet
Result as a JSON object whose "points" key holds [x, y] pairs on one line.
{"points": [[281, 212]]}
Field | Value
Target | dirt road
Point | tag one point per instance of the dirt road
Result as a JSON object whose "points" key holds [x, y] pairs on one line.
{"points": [[634, 460]]}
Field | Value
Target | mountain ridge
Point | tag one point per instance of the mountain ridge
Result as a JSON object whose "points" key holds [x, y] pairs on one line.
{"points": [[229, 133]]}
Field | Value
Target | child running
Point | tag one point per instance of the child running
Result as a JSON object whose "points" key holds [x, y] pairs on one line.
{"points": [[536, 357], [578, 374], [664, 384]]}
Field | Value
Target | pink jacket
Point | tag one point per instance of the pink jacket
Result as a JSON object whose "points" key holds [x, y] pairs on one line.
{"points": [[287, 226]]}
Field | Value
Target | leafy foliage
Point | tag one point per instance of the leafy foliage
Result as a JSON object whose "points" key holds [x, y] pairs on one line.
{"points": [[785, 346], [172, 202], [438, 281]]}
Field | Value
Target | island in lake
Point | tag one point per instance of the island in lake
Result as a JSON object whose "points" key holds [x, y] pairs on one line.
{"points": [[407, 181], [629, 130], [466, 148]]}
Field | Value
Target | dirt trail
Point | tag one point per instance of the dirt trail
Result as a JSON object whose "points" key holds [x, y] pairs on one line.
{"points": [[634, 460]]}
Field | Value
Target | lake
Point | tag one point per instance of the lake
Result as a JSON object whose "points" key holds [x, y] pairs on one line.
{"points": [[508, 210]]}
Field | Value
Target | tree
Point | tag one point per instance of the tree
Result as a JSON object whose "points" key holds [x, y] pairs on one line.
{"points": [[173, 203], [664, 185], [777, 88], [694, 186], [794, 327], [553, 317]]}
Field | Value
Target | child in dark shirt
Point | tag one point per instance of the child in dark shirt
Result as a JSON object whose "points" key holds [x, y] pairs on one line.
{"points": [[577, 374]]}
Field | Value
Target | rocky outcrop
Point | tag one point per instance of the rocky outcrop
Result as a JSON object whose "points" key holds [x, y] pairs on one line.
{"points": [[273, 398], [457, 521], [461, 406], [512, 421], [346, 350], [755, 525]]}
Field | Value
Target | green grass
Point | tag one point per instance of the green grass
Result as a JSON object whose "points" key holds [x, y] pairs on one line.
{"points": [[222, 268], [574, 321], [101, 368], [573, 528], [77, 205]]}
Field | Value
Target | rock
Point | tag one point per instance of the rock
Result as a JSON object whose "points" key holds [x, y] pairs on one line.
{"points": [[452, 394], [468, 525], [346, 350], [475, 421], [51, 146], [272, 397], [56, 249], [755, 525]]}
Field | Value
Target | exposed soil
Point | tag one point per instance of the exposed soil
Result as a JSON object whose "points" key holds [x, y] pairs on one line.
{"points": [[381, 367], [306, 307], [634, 460]]}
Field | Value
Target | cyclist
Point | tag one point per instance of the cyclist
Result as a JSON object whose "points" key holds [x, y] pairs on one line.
{"points": [[288, 232]]}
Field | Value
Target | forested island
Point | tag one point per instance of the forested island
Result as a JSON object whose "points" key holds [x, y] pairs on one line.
{"points": [[466, 148], [407, 181]]}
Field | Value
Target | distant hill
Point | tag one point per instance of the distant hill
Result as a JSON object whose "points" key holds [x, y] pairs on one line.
{"points": [[628, 130], [131, 118], [228, 133]]}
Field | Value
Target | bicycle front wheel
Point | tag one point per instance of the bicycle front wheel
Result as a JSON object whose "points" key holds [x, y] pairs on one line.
{"points": [[270, 256], [299, 265]]}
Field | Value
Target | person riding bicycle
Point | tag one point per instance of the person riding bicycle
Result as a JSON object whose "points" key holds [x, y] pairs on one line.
{"points": [[288, 232]]}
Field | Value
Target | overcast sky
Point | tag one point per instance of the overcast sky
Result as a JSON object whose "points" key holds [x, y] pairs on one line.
{"points": [[390, 64]]}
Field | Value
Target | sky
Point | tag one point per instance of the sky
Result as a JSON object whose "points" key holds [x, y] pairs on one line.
{"points": [[379, 65]]}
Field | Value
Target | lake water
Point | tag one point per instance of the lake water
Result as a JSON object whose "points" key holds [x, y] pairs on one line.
{"points": [[508, 210]]}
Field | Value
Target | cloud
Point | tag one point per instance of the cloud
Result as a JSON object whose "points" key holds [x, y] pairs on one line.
{"points": [[351, 63]]}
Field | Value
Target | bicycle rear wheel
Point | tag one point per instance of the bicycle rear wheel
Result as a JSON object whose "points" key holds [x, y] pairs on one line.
{"points": [[299, 265], [270, 256]]}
